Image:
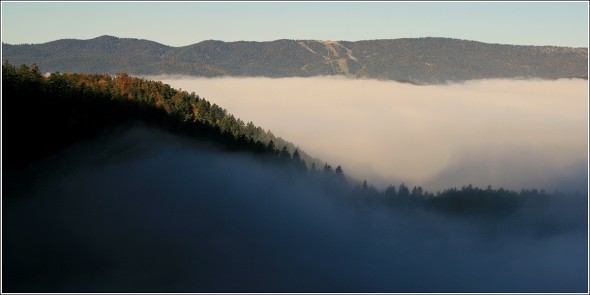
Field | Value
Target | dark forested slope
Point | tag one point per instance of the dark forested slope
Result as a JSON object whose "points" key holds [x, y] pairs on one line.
{"points": [[194, 202], [44, 114], [419, 60]]}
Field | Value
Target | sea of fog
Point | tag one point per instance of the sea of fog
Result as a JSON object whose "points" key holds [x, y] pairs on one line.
{"points": [[504, 133], [140, 210]]}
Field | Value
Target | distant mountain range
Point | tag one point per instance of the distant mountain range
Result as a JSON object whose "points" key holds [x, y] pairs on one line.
{"points": [[416, 60]]}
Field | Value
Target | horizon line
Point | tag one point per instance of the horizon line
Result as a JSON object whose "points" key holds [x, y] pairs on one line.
{"points": [[275, 40]]}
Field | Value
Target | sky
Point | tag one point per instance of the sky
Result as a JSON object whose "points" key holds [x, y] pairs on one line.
{"points": [[185, 23]]}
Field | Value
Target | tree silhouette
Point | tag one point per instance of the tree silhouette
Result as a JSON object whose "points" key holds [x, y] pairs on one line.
{"points": [[328, 169], [270, 147], [298, 163], [403, 190], [284, 154], [339, 171]]}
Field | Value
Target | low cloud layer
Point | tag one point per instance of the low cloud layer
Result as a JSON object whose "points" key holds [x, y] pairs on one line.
{"points": [[142, 211], [505, 133]]}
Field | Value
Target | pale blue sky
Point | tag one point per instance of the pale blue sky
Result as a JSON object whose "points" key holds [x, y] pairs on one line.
{"points": [[184, 23]]}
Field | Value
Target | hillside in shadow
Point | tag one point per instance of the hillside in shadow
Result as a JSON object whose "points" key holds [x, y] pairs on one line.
{"points": [[119, 184]]}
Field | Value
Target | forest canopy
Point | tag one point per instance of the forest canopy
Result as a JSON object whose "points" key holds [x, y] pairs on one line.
{"points": [[57, 109]]}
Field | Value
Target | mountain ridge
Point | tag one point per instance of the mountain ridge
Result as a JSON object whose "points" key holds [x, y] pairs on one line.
{"points": [[428, 60], [111, 37]]}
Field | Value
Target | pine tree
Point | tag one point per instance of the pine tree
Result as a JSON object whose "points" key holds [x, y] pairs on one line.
{"points": [[327, 169], [270, 147], [284, 154], [339, 171]]}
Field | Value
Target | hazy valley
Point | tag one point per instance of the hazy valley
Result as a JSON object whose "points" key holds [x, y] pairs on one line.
{"points": [[504, 133], [327, 174], [140, 210]]}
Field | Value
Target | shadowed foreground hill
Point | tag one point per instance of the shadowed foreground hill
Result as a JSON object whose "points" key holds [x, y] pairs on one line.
{"points": [[420, 60], [139, 210], [95, 202]]}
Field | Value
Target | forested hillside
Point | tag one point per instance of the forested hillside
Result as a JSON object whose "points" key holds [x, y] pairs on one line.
{"points": [[44, 114], [420, 61]]}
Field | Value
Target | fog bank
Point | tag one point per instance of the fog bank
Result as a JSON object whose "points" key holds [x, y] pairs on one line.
{"points": [[139, 210], [510, 133]]}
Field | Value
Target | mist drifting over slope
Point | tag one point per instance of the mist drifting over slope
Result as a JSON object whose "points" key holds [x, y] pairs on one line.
{"points": [[139, 210], [505, 133]]}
